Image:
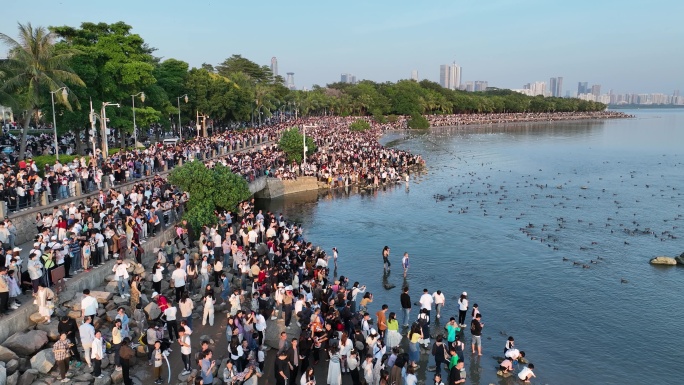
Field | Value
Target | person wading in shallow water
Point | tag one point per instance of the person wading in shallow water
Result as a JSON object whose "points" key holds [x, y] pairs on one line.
{"points": [[385, 258]]}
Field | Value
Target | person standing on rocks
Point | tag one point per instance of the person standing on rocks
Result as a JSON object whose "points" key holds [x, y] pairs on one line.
{"points": [[120, 270], [158, 361], [96, 354], [61, 351], [87, 334], [185, 343], [88, 305], [179, 277], [126, 354], [116, 343], [68, 327]]}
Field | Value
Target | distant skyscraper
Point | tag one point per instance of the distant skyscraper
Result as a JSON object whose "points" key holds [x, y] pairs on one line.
{"points": [[582, 88], [444, 75], [556, 87], [414, 75], [274, 66], [480, 85], [348, 78], [289, 83], [596, 90], [450, 76]]}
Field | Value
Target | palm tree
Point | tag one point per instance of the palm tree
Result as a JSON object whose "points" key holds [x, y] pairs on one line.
{"points": [[36, 67]]}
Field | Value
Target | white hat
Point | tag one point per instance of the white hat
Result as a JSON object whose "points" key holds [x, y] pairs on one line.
{"points": [[373, 331], [16, 249], [155, 294], [36, 244], [288, 287], [464, 293], [54, 238], [280, 284]]}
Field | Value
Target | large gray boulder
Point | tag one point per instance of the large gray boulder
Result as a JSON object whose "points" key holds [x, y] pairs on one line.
{"points": [[43, 361], [13, 378], [50, 329], [26, 343], [663, 260], [3, 375], [152, 310], [106, 380], [117, 377], [7, 355], [680, 260], [12, 366], [102, 296], [28, 377]]}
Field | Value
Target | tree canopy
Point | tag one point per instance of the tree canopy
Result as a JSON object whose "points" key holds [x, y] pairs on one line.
{"points": [[292, 143], [209, 190]]}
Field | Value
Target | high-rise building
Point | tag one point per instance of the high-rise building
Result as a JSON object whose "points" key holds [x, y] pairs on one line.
{"points": [[274, 66], [556, 87], [582, 88], [289, 82], [348, 78], [480, 85], [596, 90], [450, 76], [444, 75], [414, 75]]}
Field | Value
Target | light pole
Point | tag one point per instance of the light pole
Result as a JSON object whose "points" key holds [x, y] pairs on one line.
{"points": [[65, 93], [180, 128], [135, 128], [103, 121]]}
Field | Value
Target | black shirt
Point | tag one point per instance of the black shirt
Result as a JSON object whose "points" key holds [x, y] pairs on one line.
{"points": [[454, 375], [405, 301], [475, 327]]}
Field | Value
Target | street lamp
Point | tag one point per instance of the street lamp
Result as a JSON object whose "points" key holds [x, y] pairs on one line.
{"points": [[180, 128], [103, 121], [65, 93], [135, 128]]}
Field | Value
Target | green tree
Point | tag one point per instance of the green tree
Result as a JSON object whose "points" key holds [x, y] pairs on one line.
{"points": [[209, 189], [360, 125], [36, 68], [292, 143], [418, 122]]}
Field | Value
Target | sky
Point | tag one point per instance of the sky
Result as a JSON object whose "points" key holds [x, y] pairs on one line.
{"points": [[627, 45]]}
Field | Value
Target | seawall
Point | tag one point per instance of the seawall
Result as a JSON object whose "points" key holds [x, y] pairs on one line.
{"points": [[19, 320], [269, 188]]}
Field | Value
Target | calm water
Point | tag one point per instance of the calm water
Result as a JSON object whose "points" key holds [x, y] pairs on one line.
{"points": [[488, 217]]}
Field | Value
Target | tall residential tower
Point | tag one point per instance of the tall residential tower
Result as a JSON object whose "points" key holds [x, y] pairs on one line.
{"points": [[274, 66]]}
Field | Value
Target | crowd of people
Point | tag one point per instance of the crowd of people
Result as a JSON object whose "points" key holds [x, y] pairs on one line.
{"points": [[257, 265], [519, 117]]}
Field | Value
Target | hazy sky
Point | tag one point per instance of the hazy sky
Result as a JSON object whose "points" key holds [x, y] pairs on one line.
{"points": [[626, 45]]}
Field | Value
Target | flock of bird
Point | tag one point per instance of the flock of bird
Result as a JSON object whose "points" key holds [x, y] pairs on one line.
{"points": [[478, 194]]}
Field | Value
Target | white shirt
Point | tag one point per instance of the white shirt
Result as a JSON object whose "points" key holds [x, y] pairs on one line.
{"points": [[439, 298], [186, 349], [87, 332], [178, 276], [96, 351], [170, 313], [89, 305], [426, 301], [463, 304], [120, 270], [260, 322], [524, 373]]}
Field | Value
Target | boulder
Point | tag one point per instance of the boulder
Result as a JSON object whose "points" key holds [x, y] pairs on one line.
{"points": [[50, 329], [85, 377], [110, 306], [102, 296], [110, 278], [3, 375], [152, 310], [26, 343], [74, 314], [111, 315], [12, 366], [7, 355], [680, 259], [28, 377], [36, 318], [13, 379], [106, 380], [112, 287], [662, 260], [117, 377], [43, 361]]}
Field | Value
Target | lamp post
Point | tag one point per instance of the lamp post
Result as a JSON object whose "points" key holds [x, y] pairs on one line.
{"points": [[135, 128], [103, 121], [180, 128], [65, 93]]}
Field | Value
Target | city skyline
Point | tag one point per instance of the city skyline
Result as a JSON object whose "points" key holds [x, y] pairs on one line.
{"points": [[388, 48]]}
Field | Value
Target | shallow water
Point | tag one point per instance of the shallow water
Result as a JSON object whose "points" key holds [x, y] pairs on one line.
{"points": [[485, 217]]}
